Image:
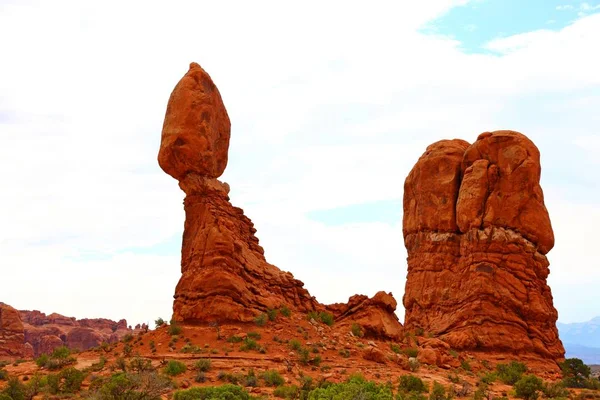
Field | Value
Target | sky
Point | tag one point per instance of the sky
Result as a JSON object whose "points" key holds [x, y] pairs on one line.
{"points": [[331, 105]]}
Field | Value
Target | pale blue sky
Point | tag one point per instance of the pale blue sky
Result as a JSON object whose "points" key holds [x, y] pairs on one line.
{"points": [[331, 105]]}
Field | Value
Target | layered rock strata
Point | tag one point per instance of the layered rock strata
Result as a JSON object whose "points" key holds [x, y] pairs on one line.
{"points": [[477, 233]]}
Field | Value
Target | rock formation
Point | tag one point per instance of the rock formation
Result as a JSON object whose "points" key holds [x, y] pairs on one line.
{"points": [[225, 276], [44, 333], [477, 233], [376, 316], [12, 336]]}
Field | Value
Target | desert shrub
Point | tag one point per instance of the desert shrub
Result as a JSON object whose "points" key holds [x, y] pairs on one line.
{"points": [[528, 387], [60, 357], [200, 377], [203, 364], [344, 353], [174, 368], [413, 364], [411, 383], [489, 378], [254, 335], [159, 322], [127, 349], [250, 379], [174, 329], [124, 385], [234, 339], [127, 338], [326, 318], [5, 397], [357, 330], [15, 390], [356, 387], [231, 378], [272, 378], [411, 352], [287, 392], [3, 375], [466, 365], [511, 373], [261, 319], [481, 393], [120, 364], [395, 348], [272, 314], [295, 344], [140, 364], [249, 344], [555, 390], [225, 392], [438, 392], [285, 311], [575, 373], [303, 356]]}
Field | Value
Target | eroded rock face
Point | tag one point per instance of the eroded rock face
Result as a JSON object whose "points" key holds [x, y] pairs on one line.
{"points": [[44, 333], [477, 231], [12, 335], [225, 276], [376, 316]]}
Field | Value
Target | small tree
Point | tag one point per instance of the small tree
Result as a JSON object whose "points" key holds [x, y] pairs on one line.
{"points": [[528, 387], [575, 373]]}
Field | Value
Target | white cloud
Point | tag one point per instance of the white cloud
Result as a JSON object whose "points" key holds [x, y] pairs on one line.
{"points": [[331, 105], [564, 7]]}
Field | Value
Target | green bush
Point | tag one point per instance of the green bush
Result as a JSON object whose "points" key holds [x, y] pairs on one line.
{"points": [[140, 364], [489, 378], [285, 311], [438, 392], [466, 365], [411, 383], [528, 387], [225, 392], [344, 353], [234, 339], [395, 348], [15, 390], [159, 322], [357, 330], [261, 320], [295, 344], [174, 329], [354, 388], [555, 390], [254, 335], [272, 314], [124, 385], [287, 392], [511, 373], [60, 357], [575, 373], [250, 379], [203, 364], [249, 344], [272, 378], [174, 368]]}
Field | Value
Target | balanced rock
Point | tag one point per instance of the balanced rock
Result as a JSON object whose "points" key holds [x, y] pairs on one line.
{"points": [[225, 276], [195, 135], [477, 231]]}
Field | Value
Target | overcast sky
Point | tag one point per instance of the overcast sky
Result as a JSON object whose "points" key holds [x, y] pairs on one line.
{"points": [[331, 105]]}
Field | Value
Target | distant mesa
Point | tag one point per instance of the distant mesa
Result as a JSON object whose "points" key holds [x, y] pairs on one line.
{"points": [[477, 233]]}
